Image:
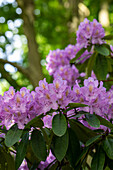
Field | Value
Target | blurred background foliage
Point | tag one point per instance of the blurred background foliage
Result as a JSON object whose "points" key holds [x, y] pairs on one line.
{"points": [[29, 29]]}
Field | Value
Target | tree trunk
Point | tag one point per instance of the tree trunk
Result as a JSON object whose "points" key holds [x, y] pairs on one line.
{"points": [[34, 69]]}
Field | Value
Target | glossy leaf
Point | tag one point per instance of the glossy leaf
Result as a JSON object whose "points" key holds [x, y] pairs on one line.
{"points": [[60, 146], [13, 136], [83, 133], [36, 122], [108, 147], [21, 150], [101, 67], [92, 140], [74, 147], [59, 125], [93, 120], [82, 155], [91, 63], [98, 159], [38, 145], [102, 50], [104, 122]]}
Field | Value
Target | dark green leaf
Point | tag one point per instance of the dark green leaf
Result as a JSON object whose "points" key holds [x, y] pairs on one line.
{"points": [[67, 167], [104, 122], [108, 147], [82, 132], [101, 67], [36, 122], [6, 160], [59, 125], [102, 50], [107, 46], [80, 114], [60, 146], [98, 159], [38, 145], [91, 63], [46, 133], [82, 50], [93, 120], [108, 37], [54, 166], [82, 155], [90, 141], [74, 147], [30, 156], [21, 150], [109, 63], [13, 136]]}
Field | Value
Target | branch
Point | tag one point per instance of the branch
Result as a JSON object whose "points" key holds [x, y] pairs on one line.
{"points": [[19, 68], [8, 77]]}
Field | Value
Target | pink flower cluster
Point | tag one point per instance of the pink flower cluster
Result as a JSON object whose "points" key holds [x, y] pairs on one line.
{"points": [[22, 106], [58, 61], [58, 64], [90, 33]]}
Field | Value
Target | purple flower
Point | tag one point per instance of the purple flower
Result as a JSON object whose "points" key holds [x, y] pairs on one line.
{"points": [[90, 33]]}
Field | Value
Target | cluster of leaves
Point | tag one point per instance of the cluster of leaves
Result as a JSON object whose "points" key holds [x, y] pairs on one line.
{"points": [[69, 140]]}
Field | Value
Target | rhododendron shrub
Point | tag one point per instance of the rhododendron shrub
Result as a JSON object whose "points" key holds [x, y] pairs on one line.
{"points": [[61, 124]]}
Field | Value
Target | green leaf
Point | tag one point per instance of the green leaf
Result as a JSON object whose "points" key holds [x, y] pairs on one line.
{"points": [[38, 145], [108, 37], [104, 122], [74, 147], [30, 156], [59, 125], [80, 52], [83, 133], [79, 114], [108, 147], [21, 150], [13, 135], [102, 50], [98, 159], [67, 167], [92, 140], [60, 146], [93, 120], [46, 134], [91, 63], [36, 122], [54, 166], [107, 46], [82, 155], [74, 105], [6, 160], [101, 67], [109, 63]]}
